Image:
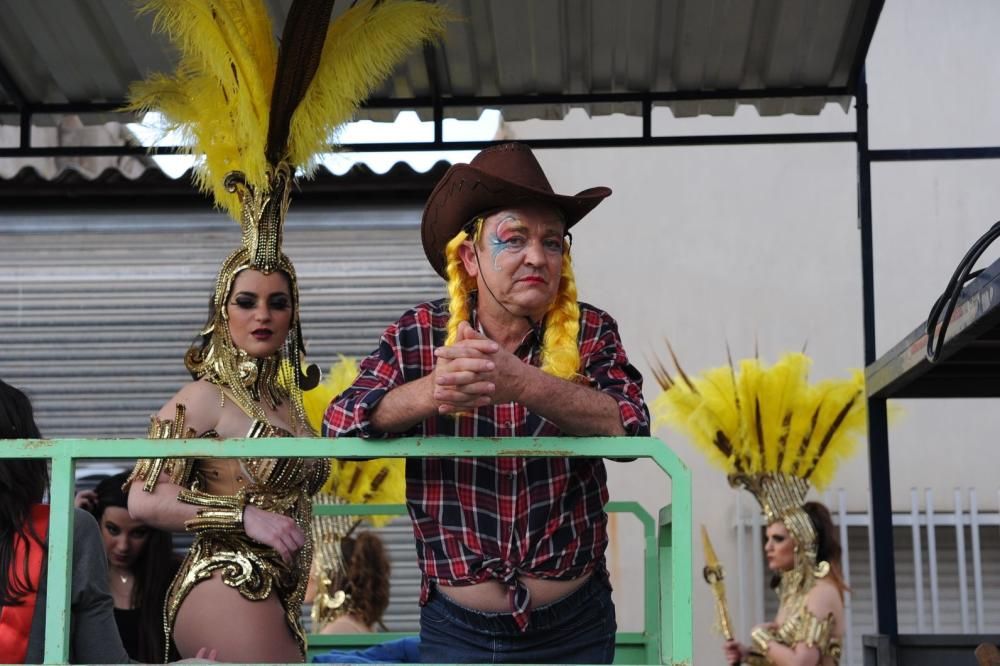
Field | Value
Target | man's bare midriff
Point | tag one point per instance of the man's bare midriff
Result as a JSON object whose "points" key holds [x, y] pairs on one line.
{"points": [[492, 597]]}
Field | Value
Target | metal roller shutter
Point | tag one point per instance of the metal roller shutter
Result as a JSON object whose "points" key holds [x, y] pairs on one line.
{"points": [[100, 306]]}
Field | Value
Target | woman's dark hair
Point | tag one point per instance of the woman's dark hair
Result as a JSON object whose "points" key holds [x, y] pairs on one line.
{"points": [[827, 544], [366, 579], [154, 569], [22, 484], [200, 343]]}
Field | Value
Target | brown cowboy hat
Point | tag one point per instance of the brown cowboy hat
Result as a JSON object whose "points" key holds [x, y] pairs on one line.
{"points": [[498, 177]]}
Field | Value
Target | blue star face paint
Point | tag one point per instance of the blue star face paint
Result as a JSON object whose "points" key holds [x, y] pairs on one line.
{"points": [[508, 236]]}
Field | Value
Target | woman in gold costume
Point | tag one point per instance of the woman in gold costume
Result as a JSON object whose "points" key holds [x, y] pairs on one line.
{"points": [[256, 114], [250, 516], [825, 599], [777, 435]]}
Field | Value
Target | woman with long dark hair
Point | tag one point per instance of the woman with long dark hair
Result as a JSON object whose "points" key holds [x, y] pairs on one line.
{"points": [[23, 550], [141, 565]]}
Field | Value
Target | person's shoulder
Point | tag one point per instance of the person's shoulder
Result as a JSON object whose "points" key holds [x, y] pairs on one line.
{"points": [[201, 401], [194, 391], [83, 520], [824, 598], [429, 313], [85, 530], [593, 316], [433, 307]]}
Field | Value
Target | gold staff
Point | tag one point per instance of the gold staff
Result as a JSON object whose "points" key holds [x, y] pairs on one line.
{"points": [[713, 576]]}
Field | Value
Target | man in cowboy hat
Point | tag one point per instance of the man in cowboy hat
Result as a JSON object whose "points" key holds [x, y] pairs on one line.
{"points": [[511, 549]]}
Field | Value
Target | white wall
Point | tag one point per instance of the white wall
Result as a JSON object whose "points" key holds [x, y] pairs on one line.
{"points": [[735, 244]]}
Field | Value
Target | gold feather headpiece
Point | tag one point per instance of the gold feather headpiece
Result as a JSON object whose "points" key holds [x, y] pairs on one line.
{"points": [[377, 481], [255, 114], [773, 432]]}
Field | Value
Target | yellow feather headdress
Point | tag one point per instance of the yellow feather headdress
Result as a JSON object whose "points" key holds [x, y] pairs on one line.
{"points": [[379, 481], [256, 113], [773, 432]]}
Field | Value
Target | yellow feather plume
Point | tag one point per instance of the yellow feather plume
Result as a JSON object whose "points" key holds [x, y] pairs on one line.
{"points": [[219, 98], [761, 420], [363, 46], [378, 481]]}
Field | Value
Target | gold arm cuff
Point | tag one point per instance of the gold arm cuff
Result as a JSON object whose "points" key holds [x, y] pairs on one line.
{"points": [[220, 513], [761, 638], [216, 520], [198, 498], [148, 470], [170, 428]]}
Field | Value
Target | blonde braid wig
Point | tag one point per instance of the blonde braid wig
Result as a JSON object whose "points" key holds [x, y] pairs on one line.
{"points": [[560, 349], [460, 283]]}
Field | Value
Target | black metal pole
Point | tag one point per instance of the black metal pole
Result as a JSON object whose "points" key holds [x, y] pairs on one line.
{"points": [[878, 433]]}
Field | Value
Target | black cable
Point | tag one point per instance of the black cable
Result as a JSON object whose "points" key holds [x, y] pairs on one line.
{"points": [[497, 300], [944, 306]]}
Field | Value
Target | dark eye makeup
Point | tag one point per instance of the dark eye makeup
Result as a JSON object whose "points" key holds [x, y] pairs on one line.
{"points": [[279, 302], [275, 302]]}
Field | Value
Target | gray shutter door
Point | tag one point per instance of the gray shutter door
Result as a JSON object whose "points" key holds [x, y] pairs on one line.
{"points": [[99, 308]]}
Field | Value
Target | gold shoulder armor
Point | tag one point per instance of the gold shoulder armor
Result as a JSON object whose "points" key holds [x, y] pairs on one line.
{"points": [[148, 470], [804, 627]]}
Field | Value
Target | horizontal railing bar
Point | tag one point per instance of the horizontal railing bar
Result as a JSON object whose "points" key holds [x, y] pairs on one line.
{"points": [[318, 447]]}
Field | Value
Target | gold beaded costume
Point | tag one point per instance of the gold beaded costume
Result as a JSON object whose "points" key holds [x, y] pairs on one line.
{"points": [[257, 115], [775, 435], [222, 488]]}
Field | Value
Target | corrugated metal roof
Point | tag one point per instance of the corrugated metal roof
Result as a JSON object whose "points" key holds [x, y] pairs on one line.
{"points": [[90, 50], [401, 182]]}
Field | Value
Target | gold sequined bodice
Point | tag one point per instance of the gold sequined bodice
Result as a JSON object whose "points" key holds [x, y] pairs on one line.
{"points": [[801, 626], [278, 485]]}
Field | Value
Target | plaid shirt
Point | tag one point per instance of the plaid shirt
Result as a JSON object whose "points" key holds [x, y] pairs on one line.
{"points": [[478, 519]]}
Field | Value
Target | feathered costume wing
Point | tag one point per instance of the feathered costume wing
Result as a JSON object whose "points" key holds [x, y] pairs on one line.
{"points": [[379, 481]]}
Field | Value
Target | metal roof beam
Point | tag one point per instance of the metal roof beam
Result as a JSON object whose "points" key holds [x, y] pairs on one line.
{"points": [[864, 43], [429, 101], [9, 85], [596, 142], [433, 81]]}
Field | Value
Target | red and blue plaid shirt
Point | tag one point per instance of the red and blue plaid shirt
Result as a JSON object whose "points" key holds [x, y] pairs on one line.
{"points": [[477, 519]]}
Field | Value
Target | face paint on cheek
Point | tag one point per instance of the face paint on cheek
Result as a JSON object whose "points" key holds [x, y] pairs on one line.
{"points": [[508, 228], [496, 247]]}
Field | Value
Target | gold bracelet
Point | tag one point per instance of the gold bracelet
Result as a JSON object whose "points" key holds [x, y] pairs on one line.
{"points": [[760, 638], [220, 513], [216, 520]]}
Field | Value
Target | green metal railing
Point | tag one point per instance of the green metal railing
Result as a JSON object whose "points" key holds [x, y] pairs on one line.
{"points": [[673, 631], [631, 647]]}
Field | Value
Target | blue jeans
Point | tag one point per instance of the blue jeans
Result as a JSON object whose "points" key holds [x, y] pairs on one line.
{"points": [[578, 629]]}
